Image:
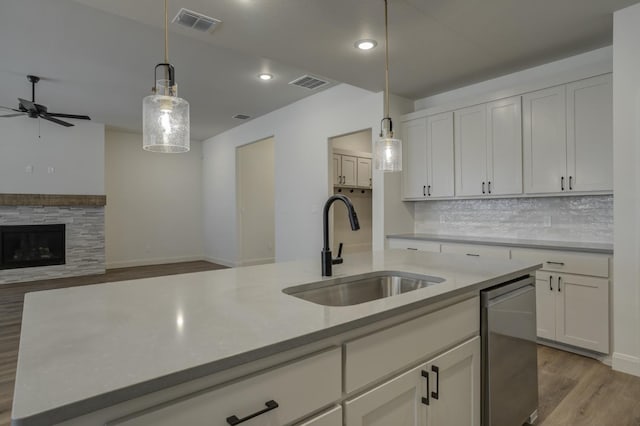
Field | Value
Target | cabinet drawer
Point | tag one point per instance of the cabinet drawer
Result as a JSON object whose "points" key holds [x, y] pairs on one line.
{"points": [[332, 417], [570, 263], [321, 372], [477, 250], [399, 243], [377, 355]]}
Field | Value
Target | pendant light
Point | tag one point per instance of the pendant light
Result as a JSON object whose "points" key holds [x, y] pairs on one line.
{"points": [[165, 116], [387, 149]]}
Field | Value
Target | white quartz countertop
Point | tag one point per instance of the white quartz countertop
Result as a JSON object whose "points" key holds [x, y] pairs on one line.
{"points": [[581, 246], [89, 347]]}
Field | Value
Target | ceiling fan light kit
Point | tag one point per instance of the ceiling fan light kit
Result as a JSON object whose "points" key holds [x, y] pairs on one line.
{"points": [[34, 110], [165, 116], [387, 150]]}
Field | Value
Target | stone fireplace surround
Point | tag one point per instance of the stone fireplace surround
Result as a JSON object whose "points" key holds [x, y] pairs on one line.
{"points": [[83, 216]]}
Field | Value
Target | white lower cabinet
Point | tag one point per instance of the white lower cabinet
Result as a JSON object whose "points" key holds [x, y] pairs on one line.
{"points": [[573, 309], [332, 417], [443, 392], [474, 250]]}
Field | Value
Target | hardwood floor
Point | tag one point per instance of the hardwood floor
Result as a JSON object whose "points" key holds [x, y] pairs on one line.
{"points": [[574, 390], [12, 297]]}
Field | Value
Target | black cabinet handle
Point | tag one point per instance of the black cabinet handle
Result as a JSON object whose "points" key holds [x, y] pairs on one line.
{"points": [[473, 254], [429, 190], [489, 186], [425, 374], [555, 263], [483, 188], [436, 394], [424, 190], [550, 285], [562, 183], [570, 183], [234, 420], [559, 289]]}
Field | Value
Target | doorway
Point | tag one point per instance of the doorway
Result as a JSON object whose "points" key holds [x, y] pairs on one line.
{"points": [[256, 202], [350, 170]]}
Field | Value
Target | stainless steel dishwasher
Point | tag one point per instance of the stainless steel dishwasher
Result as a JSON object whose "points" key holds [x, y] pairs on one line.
{"points": [[509, 353]]}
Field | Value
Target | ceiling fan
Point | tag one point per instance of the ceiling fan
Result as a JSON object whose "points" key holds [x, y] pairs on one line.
{"points": [[34, 110]]}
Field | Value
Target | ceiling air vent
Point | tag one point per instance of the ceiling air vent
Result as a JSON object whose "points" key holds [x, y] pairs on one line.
{"points": [[242, 116], [197, 21], [309, 82]]}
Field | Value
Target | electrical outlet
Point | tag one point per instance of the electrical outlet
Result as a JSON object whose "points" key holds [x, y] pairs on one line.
{"points": [[547, 221]]}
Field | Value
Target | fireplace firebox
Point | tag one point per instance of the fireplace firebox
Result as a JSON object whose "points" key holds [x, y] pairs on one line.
{"points": [[26, 246]]}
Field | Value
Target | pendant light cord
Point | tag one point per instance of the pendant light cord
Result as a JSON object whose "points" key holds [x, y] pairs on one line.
{"points": [[166, 40], [386, 60]]}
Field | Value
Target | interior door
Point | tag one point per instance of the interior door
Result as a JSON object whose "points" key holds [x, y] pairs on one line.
{"points": [[546, 287], [397, 402], [440, 161], [415, 156], [470, 150], [504, 146], [590, 134]]}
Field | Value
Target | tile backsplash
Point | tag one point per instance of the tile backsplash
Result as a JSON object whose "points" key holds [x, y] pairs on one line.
{"points": [[575, 218]]}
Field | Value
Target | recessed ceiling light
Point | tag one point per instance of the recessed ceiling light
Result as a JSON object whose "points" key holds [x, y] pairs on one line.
{"points": [[366, 44], [265, 76]]}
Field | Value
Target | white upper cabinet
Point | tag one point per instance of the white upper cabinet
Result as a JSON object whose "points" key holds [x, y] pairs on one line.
{"points": [[470, 150], [504, 147], [568, 137], [352, 170], [545, 148], [349, 170], [590, 134], [364, 172], [428, 157], [337, 169]]}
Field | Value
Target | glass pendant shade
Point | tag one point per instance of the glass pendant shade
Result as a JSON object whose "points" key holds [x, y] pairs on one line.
{"points": [[388, 154], [165, 120]]}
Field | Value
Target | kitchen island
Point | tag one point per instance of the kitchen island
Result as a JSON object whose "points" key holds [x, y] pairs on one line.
{"points": [[153, 350]]}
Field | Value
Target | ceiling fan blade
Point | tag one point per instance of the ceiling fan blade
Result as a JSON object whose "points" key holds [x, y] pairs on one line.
{"points": [[10, 109], [77, 117], [28, 104], [55, 120], [12, 115]]}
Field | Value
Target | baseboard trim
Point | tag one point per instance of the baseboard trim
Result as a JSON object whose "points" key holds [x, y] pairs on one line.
{"points": [[626, 363], [223, 262], [603, 358], [155, 261], [253, 262]]}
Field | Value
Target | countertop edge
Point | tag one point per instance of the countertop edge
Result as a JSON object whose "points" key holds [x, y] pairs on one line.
{"points": [[98, 402], [479, 241]]}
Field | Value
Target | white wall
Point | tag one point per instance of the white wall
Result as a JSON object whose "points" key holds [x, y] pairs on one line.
{"points": [[39, 157], [256, 198], [626, 207], [359, 141], [301, 131], [154, 204]]}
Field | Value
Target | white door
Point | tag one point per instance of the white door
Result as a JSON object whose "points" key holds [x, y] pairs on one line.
{"points": [[440, 181], [415, 153], [454, 385], [545, 141], [397, 402], [504, 146], [470, 150], [590, 134], [582, 312], [546, 287], [349, 170], [332, 417], [337, 169], [364, 172]]}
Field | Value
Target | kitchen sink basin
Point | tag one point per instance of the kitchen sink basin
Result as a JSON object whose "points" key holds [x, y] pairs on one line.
{"points": [[363, 288]]}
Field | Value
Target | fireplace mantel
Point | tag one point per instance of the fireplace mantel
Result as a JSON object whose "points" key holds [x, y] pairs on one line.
{"points": [[52, 200]]}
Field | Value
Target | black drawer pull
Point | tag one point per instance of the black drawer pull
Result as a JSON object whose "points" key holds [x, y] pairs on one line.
{"points": [[425, 374], [436, 394], [473, 254], [555, 263], [234, 420]]}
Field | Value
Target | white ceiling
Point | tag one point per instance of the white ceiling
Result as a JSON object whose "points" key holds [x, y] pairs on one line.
{"points": [[100, 59]]}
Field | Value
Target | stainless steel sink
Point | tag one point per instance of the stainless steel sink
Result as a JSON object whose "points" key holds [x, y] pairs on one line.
{"points": [[361, 288]]}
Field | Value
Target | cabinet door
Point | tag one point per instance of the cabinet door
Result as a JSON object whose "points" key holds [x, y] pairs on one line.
{"points": [[397, 402], [590, 134], [349, 170], [415, 155], [546, 285], [454, 382], [582, 312], [470, 150], [504, 146], [545, 141], [440, 180], [337, 169], [364, 172], [332, 417]]}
